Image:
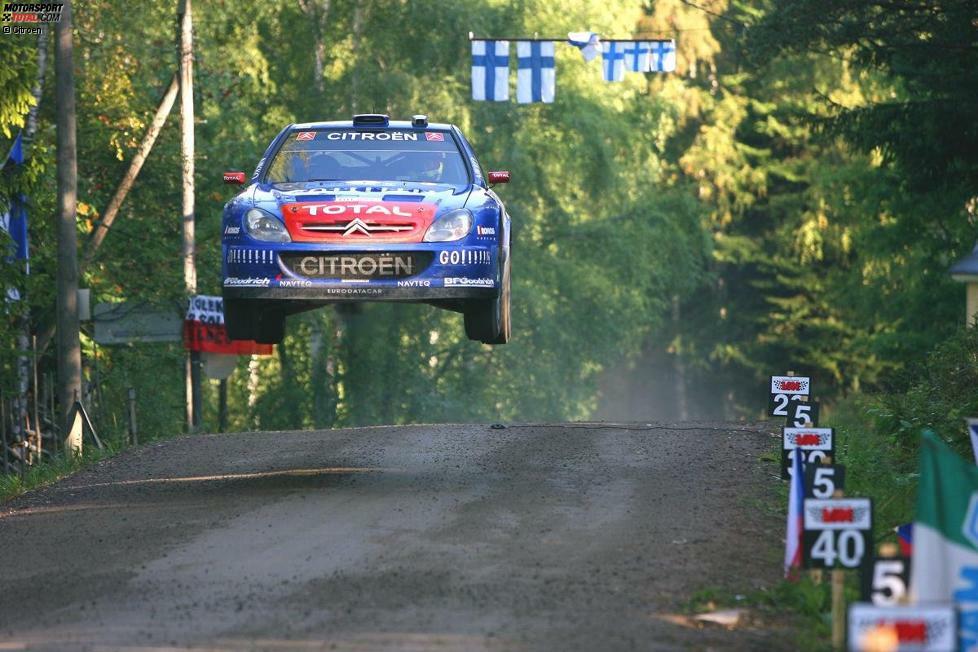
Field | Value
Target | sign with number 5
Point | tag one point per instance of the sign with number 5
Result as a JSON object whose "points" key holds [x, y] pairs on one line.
{"points": [[823, 480], [885, 581], [802, 414]]}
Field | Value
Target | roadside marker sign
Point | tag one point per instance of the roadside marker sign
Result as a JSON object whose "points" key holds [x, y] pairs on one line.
{"points": [[885, 581], [815, 444], [785, 389], [823, 480], [931, 628], [837, 532], [802, 413]]}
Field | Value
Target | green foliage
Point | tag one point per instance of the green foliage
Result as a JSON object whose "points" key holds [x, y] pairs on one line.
{"points": [[787, 235]]}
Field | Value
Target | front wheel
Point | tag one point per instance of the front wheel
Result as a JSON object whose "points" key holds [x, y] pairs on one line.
{"points": [[490, 321]]}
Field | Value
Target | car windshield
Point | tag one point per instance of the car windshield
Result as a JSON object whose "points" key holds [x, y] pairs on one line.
{"points": [[368, 155]]}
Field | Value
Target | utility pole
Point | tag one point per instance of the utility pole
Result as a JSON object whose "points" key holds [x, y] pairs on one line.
{"points": [[192, 372], [69, 345]]}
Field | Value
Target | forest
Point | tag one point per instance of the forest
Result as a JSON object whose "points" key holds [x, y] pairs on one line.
{"points": [[791, 197]]}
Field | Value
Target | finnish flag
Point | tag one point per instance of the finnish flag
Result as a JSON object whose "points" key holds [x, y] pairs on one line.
{"points": [[490, 71], [663, 57], [637, 56], [613, 60], [588, 43], [535, 72]]}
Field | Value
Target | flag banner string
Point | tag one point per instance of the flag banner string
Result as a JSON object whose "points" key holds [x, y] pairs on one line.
{"points": [[536, 69]]}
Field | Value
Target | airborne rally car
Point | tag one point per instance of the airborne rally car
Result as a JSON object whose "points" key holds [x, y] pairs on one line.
{"points": [[366, 210]]}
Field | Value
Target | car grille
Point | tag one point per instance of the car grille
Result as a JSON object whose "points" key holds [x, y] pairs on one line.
{"points": [[359, 221], [357, 266]]}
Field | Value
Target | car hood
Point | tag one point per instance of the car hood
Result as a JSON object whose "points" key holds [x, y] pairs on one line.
{"points": [[272, 197]]}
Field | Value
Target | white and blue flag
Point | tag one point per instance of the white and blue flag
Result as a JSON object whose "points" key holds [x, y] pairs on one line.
{"points": [[14, 220], [613, 60], [588, 43], [663, 57], [637, 56], [490, 71], [535, 72]]}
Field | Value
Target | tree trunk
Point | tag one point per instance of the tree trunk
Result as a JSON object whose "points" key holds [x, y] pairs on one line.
{"points": [[187, 156], [69, 346], [102, 229]]}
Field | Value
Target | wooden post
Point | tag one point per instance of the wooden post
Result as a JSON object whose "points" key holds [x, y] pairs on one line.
{"points": [[69, 344], [37, 412], [838, 600], [133, 431], [192, 369], [222, 405]]}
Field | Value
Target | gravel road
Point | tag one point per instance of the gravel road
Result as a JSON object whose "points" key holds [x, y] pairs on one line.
{"points": [[583, 536]]}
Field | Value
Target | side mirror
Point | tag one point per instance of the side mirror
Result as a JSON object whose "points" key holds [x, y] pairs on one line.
{"points": [[499, 176], [236, 178]]}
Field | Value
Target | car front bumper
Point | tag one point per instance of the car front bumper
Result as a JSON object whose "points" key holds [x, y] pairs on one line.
{"points": [[275, 272]]}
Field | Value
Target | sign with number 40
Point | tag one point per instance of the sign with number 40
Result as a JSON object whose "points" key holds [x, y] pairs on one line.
{"points": [[837, 532]]}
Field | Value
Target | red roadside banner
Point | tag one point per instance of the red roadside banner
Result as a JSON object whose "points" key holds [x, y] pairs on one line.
{"points": [[203, 330]]}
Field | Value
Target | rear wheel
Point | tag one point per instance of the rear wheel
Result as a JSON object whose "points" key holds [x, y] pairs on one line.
{"points": [[253, 320], [489, 321]]}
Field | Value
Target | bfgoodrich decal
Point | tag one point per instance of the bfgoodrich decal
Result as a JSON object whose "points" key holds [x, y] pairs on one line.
{"points": [[253, 282], [469, 282]]}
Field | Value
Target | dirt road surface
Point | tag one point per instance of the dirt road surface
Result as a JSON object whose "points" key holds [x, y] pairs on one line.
{"points": [[448, 537]]}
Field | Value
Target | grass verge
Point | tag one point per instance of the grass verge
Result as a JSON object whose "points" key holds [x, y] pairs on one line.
{"points": [[50, 471]]}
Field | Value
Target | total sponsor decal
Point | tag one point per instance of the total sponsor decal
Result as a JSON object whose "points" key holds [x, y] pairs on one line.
{"points": [[253, 282], [346, 220], [414, 284], [465, 257], [451, 281], [379, 208]]}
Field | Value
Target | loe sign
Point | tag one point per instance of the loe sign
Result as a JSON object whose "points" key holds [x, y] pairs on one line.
{"points": [[815, 445], [837, 532], [786, 389], [930, 628]]}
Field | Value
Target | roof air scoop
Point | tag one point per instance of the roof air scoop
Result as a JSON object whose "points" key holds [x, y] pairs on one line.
{"points": [[420, 120], [370, 120]]}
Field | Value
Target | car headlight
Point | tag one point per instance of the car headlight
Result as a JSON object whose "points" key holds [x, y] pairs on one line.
{"points": [[453, 225], [264, 226]]}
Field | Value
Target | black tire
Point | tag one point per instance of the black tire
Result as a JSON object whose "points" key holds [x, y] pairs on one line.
{"points": [[252, 320], [271, 327], [239, 319], [490, 321]]}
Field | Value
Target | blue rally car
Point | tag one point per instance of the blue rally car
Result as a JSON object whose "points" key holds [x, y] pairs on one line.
{"points": [[366, 210]]}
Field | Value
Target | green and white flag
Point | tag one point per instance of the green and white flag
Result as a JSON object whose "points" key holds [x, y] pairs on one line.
{"points": [[945, 535]]}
